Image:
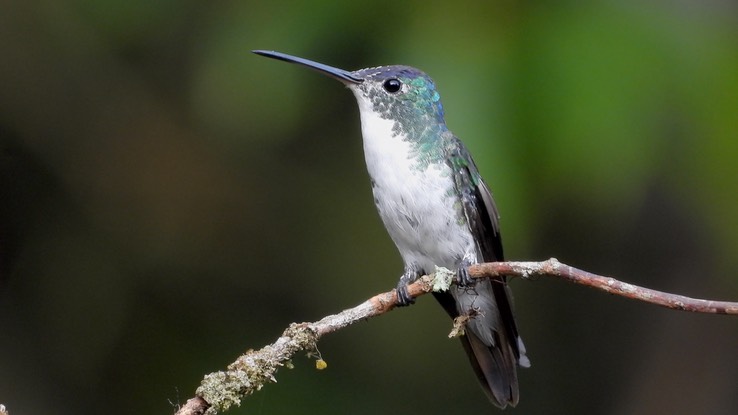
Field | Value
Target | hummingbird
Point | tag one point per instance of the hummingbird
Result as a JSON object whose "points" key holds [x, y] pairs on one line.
{"points": [[437, 210]]}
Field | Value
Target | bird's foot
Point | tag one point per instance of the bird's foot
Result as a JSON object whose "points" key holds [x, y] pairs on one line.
{"points": [[403, 296], [411, 274], [463, 278]]}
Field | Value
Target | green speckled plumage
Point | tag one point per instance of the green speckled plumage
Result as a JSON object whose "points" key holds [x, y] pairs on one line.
{"points": [[418, 113]]}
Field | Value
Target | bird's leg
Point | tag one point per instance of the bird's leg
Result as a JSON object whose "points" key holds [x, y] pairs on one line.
{"points": [[411, 274], [462, 275]]}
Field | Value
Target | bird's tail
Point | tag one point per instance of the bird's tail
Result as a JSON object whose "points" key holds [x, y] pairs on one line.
{"points": [[492, 344], [496, 370]]}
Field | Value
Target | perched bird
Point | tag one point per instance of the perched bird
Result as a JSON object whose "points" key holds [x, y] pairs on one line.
{"points": [[437, 210]]}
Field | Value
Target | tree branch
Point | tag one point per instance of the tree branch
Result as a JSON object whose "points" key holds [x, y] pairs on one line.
{"points": [[250, 372], [554, 268]]}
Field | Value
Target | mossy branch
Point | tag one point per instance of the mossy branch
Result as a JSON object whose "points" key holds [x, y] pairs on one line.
{"points": [[250, 372]]}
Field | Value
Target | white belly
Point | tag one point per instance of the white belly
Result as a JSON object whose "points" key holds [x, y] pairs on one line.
{"points": [[416, 204]]}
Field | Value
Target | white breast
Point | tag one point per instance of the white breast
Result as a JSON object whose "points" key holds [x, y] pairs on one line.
{"points": [[416, 205]]}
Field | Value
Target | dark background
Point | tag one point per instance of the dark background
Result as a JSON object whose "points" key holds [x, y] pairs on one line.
{"points": [[169, 200]]}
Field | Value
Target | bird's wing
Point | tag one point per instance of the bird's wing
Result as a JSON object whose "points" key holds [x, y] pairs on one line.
{"points": [[494, 360], [481, 215], [478, 205]]}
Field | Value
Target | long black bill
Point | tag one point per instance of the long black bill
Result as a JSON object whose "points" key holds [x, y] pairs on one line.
{"points": [[339, 74]]}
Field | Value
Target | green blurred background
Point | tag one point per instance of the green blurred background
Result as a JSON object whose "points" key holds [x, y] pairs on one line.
{"points": [[170, 199]]}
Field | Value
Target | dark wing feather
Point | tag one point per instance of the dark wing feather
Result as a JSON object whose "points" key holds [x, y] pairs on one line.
{"points": [[481, 214], [495, 363], [479, 206]]}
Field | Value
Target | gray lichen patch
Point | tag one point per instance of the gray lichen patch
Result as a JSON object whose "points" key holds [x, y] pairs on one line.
{"points": [[443, 278], [250, 372]]}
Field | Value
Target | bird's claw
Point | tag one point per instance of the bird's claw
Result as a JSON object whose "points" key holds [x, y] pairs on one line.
{"points": [[463, 278], [403, 297]]}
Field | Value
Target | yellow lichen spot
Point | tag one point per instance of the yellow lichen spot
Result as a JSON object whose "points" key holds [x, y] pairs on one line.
{"points": [[321, 364]]}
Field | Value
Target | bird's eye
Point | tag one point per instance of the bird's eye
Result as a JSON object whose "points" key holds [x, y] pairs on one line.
{"points": [[392, 85]]}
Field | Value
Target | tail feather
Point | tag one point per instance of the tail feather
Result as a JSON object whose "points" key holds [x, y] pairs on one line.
{"points": [[496, 372], [491, 340]]}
